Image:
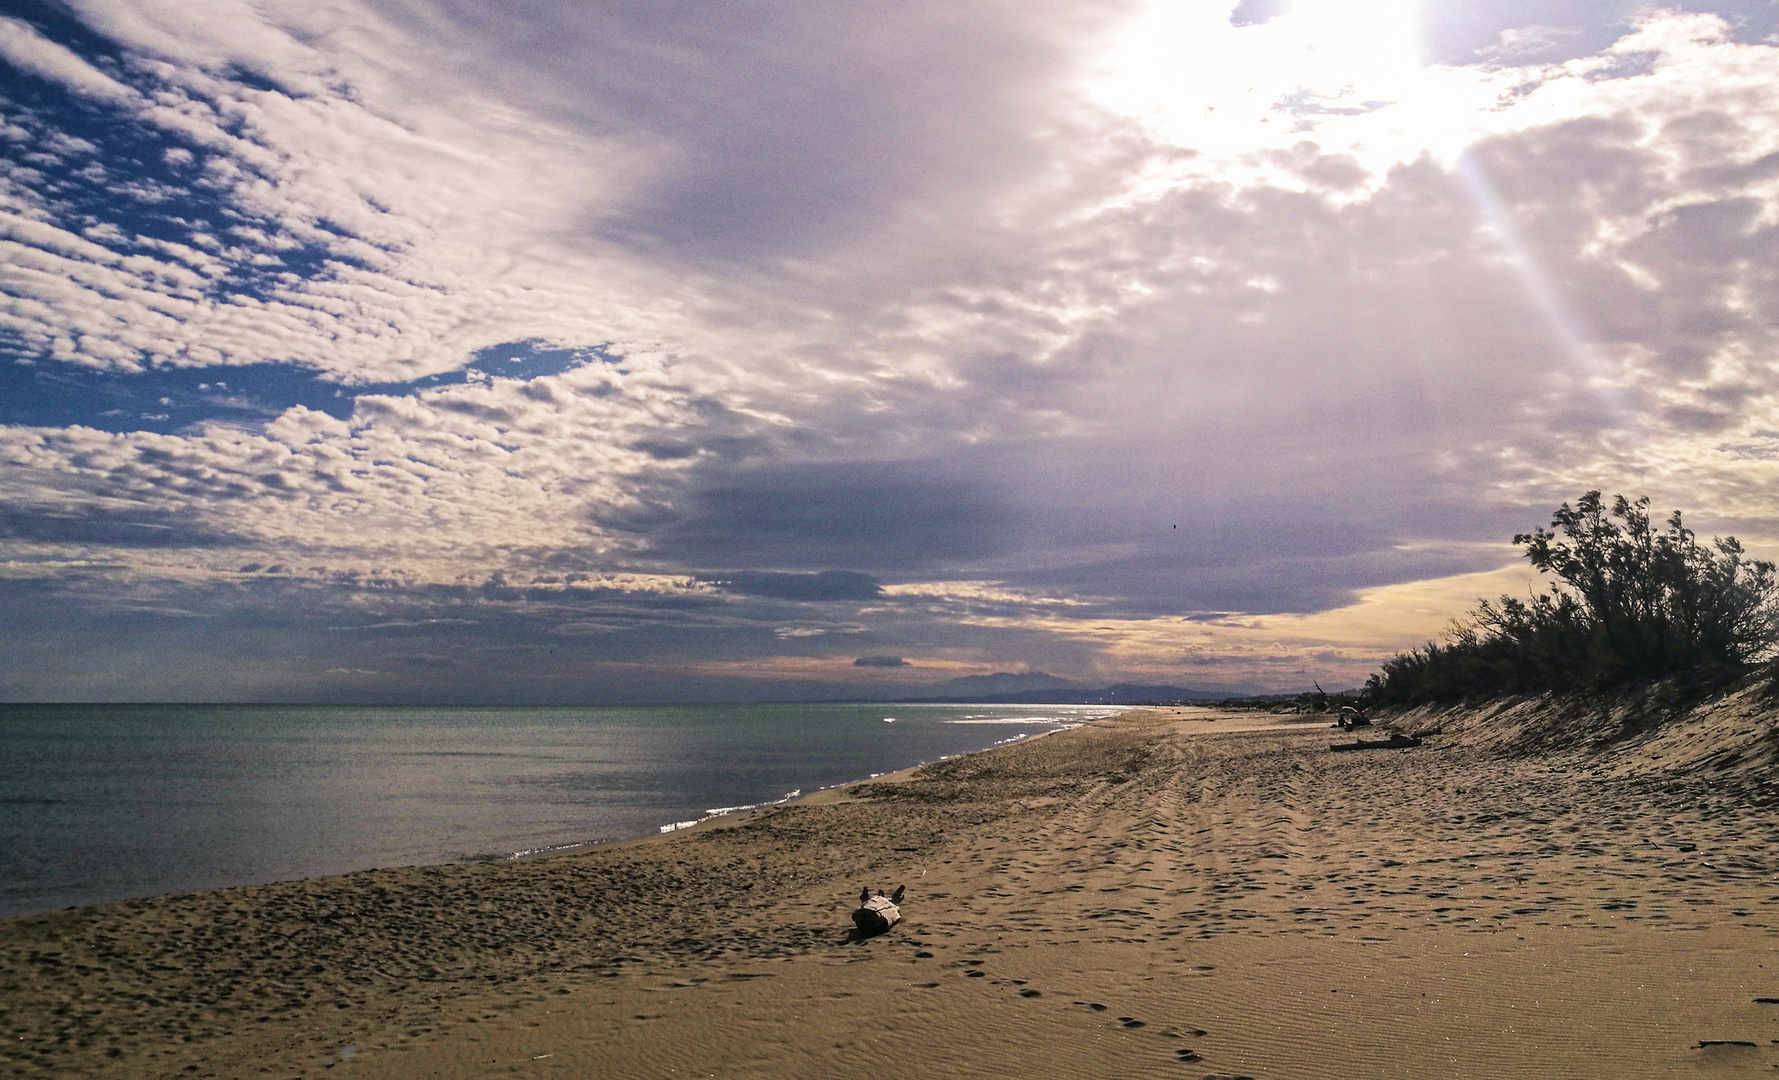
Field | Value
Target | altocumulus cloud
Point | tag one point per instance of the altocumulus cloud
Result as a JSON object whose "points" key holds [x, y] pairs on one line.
{"points": [[565, 351]]}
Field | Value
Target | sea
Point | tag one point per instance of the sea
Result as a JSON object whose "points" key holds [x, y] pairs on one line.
{"points": [[108, 802]]}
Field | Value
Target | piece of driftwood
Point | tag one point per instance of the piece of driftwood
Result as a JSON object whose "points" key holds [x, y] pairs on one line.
{"points": [[878, 913], [1394, 742]]}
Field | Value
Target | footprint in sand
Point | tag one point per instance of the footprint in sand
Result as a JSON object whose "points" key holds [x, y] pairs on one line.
{"points": [[1094, 1005], [1188, 1056], [1131, 1022], [1029, 992]]}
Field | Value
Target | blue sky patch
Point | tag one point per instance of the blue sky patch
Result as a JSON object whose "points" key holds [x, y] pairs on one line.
{"points": [[48, 393]]}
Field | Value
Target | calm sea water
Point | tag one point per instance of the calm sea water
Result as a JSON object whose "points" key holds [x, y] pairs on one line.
{"points": [[106, 802]]}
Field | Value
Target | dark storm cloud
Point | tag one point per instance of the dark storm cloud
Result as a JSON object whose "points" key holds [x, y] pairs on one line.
{"points": [[415, 625], [826, 585], [1162, 582], [109, 525], [888, 516], [281, 639], [1174, 536], [1176, 522]]}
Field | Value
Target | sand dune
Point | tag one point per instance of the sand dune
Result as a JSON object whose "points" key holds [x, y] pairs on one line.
{"points": [[1180, 893]]}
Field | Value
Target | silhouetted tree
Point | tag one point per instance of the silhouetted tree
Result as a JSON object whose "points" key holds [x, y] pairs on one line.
{"points": [[1634, 602]]}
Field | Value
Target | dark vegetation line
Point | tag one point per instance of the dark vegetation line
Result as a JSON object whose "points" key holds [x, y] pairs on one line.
{"points": [[1631, 603]]}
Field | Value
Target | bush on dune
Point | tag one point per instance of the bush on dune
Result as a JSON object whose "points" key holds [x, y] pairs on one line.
{"points": [[1633, 602]]}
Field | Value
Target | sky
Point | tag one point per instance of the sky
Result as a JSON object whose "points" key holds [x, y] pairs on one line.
{"points": [[436, 351]]}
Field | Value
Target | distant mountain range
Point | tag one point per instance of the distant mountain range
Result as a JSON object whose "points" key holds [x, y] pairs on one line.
{"points": [[1039, 688]]}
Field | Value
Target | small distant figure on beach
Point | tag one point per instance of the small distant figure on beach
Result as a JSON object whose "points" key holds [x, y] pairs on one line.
{"points": [[877, 914], [1350, 718]]}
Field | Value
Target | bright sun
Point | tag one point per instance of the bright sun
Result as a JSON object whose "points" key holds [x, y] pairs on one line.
{"points": [[1182, 69]]}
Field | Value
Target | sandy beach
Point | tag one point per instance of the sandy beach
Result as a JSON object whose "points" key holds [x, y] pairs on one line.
{"points": [[1170, 893]]}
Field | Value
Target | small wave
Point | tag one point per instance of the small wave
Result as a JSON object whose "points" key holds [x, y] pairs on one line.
{"points": [[722, 811], [508, 856], [546, 849], [1075, 718]]}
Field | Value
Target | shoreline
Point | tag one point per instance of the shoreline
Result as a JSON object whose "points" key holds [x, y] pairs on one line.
{"points": [[712, 819], [1185, 870], [716, 818], [893, 776], [566, 847]]}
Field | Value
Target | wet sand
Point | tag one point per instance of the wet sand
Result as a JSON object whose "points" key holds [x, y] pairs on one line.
{"points": [[1178, 893]]}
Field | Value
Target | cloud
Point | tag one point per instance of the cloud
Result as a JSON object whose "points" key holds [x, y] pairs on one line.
{"points": [[1031, 357], [24, 48], [1255, 12], [118, 525], [826, 585], [807, 132], [880, 662], [426, 661], [317, 237], [883, 514], [1520, 43], [408, 624]]}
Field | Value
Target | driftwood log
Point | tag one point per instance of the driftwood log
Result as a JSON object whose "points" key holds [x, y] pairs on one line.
{"points": [[878, 913]]}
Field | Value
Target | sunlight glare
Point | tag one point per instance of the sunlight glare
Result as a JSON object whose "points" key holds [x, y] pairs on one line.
{"points": [[1196, 80]]}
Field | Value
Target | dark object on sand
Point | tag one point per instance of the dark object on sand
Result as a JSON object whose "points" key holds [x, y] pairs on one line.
{"points": [[1726, 1042], [1349, 718], [878, 913], [1397, 740]]}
